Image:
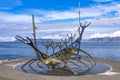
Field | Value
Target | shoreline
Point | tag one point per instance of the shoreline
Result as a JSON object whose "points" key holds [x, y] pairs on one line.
{"points": [[8, 72]]}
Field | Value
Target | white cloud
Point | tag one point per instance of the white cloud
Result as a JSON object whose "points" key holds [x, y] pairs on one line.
{"points": [[5, 39], [60, 30], [100, 19], [20, 18], [111, 22], [53, 14], [52, 37], [95, 12], [99, 35], [66, 14], [61, 15], [102, 0]]}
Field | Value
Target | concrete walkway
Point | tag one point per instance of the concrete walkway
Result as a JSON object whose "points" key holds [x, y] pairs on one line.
{"points": [[8, 71]]}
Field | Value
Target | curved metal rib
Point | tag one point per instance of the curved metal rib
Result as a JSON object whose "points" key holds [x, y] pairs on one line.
{"points": [[82, 62], [25, 65], [89, 56], [80, 68], [30, 65], [75, 73], [41, 66]]}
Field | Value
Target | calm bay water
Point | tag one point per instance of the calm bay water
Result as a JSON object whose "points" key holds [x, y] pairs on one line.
{"points": [[16, 50]]}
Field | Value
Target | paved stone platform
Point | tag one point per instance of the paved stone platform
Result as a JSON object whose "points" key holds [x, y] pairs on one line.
{"points": [[99, 68], [8, 72]]}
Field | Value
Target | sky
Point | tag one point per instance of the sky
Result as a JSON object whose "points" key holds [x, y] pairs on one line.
{"points": [[56, 18]]}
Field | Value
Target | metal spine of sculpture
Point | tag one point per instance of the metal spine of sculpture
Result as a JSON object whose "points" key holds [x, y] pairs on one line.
{"points": [[68, 51], [34, 31]]}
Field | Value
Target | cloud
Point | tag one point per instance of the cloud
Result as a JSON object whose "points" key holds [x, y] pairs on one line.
{"points": [[109, 10], [52, 37], [59, 30], [99, 11], [5, 39], [48, 30], [104, 18], [26, 18], [102, 0], [110, 22], [61, 15], [56, 33], [13, 18], [52, 15], [65, 14], [99, 35]]}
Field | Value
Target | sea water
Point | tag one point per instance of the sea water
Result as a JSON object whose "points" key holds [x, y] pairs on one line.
{"points": [[18, 50]]}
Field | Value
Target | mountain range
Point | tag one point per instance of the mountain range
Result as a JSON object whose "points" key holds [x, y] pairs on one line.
{"points": [[105, 39]]}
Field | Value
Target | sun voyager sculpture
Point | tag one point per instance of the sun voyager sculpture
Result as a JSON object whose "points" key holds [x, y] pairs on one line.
{"points": [[68, 53]]}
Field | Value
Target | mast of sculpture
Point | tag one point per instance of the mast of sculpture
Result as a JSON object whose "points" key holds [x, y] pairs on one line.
{"points": [[79, 27], [82, 26], [79, 13], [34, 31]]}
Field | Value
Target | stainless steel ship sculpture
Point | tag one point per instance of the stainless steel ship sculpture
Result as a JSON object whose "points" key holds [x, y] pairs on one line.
{"points": [[68, 52]]}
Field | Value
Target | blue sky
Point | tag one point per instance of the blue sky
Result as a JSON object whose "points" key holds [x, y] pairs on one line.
{"points": [[56, 18]]}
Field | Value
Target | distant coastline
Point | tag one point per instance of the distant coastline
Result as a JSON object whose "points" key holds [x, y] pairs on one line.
{"points": [[104, 39]]}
